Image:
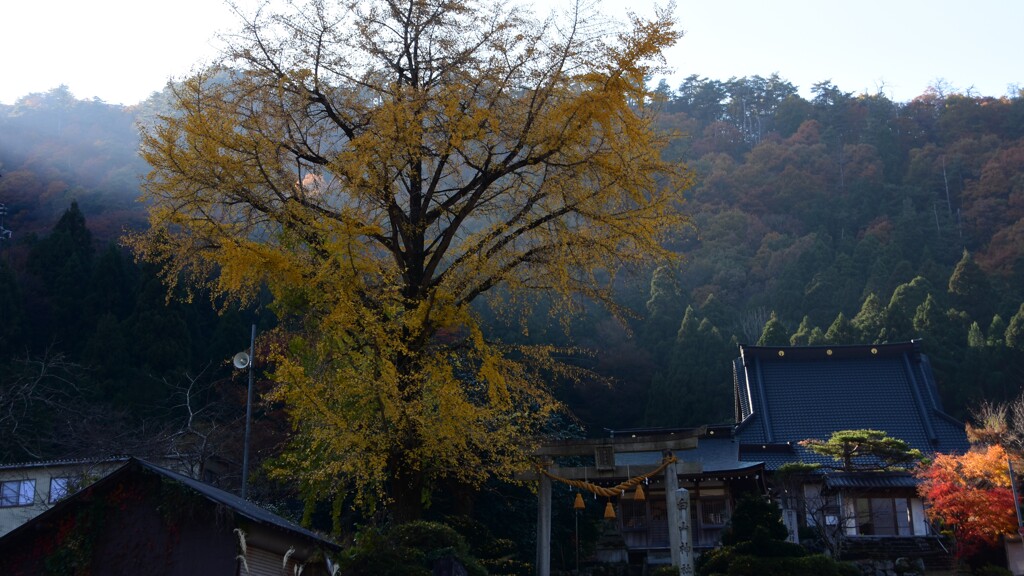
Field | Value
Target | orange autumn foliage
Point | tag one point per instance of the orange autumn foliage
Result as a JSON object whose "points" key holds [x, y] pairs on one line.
{"points": [[971, 494]]}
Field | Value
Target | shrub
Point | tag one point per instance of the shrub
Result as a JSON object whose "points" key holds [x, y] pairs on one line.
{"points": [[410, 549], [990, 570], [756, 546], [726, 562], [754, 518]]}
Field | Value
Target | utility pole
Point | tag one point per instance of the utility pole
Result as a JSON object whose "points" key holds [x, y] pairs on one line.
{"points": [[248, 415]]}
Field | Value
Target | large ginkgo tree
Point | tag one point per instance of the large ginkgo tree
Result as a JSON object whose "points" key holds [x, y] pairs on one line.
{"points": [[380, 165]]}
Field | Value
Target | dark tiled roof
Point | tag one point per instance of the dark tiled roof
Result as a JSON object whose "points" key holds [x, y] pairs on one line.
{"points": [[773, 455], [869, 480], [719, 455], [715, 455], [788, 394]]}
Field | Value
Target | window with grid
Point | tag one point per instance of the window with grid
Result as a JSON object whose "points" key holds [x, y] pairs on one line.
{"points": [[883, 516], [17, 493], [63, 486], [713, 512], [644, 523], [709, 517], [634, 514]]}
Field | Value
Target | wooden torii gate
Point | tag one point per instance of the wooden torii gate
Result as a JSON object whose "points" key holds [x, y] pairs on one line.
{"points": [[603, 450]]}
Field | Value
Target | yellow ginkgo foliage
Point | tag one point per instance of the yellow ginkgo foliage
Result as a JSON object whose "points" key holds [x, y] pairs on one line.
{"points": [[380, 166]]}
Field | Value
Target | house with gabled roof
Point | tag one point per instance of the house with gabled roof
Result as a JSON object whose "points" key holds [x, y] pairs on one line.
{"points": [[784, 395], [29, 488], [144, 519]]}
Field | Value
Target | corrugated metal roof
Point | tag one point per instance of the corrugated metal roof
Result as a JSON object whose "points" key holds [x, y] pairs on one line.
{"points": [[239, 505], [64, 462]]}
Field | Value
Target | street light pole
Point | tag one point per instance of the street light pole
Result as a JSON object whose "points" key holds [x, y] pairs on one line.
{"points": [[248, 415]]}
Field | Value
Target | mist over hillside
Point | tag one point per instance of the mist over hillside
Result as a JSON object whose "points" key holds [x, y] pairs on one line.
{"points": [[839, 219], [55, 149]]}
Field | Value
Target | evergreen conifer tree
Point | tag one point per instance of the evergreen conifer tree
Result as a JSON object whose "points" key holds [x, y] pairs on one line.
{"points": [[774, 333], [975, 338], [663, 308], [996, 333], [692, 389], [1015, 330], [899, 317], [970, 287], [841, 331], [11, 307], [870, 320], [802, 335], [63, 263]]}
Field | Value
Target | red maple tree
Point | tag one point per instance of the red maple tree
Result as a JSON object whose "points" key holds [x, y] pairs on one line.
{"points": [[971, 494]]}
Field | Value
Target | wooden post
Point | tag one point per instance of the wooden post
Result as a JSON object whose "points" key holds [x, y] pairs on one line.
{"points": [[544, 527]]}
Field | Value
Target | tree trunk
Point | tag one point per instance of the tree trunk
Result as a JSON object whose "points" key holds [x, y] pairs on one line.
{"points": [[407, 498]]}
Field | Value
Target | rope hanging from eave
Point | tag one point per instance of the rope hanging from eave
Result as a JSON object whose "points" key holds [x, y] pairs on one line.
{"points": [[614, 490]]}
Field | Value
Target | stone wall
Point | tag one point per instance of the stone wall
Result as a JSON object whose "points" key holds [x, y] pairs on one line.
{"points": [[898, 567]]}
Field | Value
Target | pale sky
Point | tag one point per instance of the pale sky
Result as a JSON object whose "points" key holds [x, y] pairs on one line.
{"points": [[123, 50]]}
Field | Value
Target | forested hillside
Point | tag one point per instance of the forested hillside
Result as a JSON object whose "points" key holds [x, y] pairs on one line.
{"points": [[846, 218], [94, 358], [55, 149], [840, 219]]}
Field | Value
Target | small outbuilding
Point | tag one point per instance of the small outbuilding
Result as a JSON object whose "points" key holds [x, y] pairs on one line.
{"points": [[144, 519]]}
